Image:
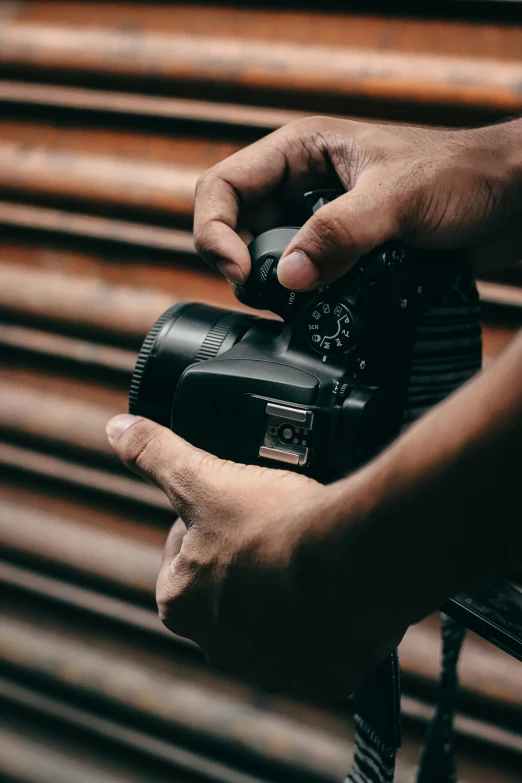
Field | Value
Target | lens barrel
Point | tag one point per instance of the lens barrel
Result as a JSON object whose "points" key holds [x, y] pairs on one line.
{"points": [[182, 335]]}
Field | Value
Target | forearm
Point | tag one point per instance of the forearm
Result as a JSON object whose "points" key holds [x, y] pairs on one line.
{"points": [[444, 502]]}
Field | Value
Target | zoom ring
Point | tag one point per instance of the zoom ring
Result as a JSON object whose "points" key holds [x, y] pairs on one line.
{"points": [[216, 336]]}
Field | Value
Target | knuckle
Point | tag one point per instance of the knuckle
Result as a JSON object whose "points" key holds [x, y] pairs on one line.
{"points": [[295, 128], [299, 138], [306, 125]]}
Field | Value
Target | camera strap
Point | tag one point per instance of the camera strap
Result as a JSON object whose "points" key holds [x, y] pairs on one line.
{"points": [[377, 715], [438, 762], [496, 614], [378, 719], [447, 351]]}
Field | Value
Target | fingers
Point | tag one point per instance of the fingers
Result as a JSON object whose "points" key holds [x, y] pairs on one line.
{"points": [[333, 239], [246, 177], [183, 472]]}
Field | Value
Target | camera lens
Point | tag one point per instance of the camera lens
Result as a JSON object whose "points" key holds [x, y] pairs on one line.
{"points": [[183, 335]]}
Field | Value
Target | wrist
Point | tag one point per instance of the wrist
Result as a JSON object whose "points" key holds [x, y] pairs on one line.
{"points": [[438, 512], [372, 552]]}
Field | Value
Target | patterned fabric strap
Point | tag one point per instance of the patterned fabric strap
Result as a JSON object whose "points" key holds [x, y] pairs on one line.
{"points": [[377, 724], [373, 762], [438, 759]]}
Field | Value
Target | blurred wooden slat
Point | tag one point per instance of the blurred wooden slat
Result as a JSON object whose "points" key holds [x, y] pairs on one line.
{"points": [[119, 612], [500, 294], [495, 338], [341, 54], [63, 593], [129, 739], [92, 226], [98, 298], [83, 301], [44, 344], [49, 95], [33, 759], [115, 559], [113, 167], [71, 474], [122, 266], [45, 415], [420, 658]]}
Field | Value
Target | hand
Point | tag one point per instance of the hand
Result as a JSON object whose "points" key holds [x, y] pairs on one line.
{"points": [[261, 569], [304, 588], [428, 187]]}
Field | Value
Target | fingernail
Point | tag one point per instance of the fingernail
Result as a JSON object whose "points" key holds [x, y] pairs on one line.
{"points": [[118, 424], [296, 271], [231, 271]]}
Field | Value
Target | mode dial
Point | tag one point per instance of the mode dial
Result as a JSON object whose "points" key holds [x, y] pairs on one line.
{"points": [[331, 327]]}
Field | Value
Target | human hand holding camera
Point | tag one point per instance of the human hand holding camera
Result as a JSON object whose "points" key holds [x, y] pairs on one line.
{"points": [[252, 569], [429, 188], [304, 588]]}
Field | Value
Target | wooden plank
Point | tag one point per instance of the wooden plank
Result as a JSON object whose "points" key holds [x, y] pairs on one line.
{"points": [[37, 754], [67, 545], [139, 105], [66, 474], [32, 411], [85, 302], [341, 54], [47, 345], [95, 227], [124, 737], [156, 173], [179, 276]]}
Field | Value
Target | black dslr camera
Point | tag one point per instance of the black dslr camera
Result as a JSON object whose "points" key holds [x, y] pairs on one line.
{"points": [[327, 387]]}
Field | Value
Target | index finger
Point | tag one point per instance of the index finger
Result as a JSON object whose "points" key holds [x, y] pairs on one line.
{"points": [[241, 180]]}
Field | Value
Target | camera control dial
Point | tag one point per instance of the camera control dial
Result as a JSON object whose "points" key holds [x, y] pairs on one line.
{"points": [[331, 327]]}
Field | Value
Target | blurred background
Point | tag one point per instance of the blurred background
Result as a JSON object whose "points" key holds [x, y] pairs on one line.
{"points": [[109, 112]]}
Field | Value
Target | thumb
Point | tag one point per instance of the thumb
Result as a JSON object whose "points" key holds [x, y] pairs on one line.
{"points": [[338, 234], [154, 452]]}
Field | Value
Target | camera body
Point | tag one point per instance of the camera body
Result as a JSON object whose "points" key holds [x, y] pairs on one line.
{"points": [[324, 389]]}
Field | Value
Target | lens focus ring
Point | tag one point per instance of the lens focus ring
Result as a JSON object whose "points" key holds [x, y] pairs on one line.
{"points": [[216, 337], [141, 361]]}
